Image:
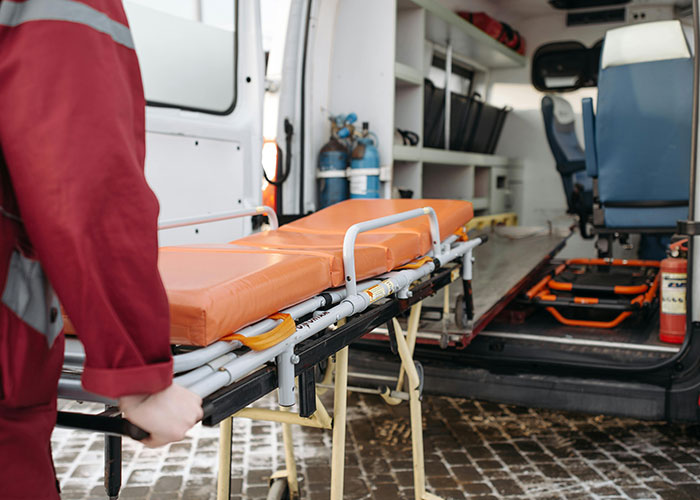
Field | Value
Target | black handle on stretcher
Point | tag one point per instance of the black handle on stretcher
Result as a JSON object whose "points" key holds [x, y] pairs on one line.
{"points": [[116, 426]]}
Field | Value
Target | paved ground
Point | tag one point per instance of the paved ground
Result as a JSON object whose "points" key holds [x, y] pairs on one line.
{"points": [[473, 450]]}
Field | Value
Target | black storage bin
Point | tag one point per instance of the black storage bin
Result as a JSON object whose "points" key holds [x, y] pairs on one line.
{"points": [[460, 108], [467, 132], [474, 125], [496, 134], [484, 137], [433, 116]]}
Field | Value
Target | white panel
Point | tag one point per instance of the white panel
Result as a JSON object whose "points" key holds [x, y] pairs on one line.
{"points": [[195, 177], [183, 62], [452, 182], [408, 176], [362, 67], [645, 42]]}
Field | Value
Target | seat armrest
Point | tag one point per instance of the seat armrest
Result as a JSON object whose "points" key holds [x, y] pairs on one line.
{"points": [[589, 137]]}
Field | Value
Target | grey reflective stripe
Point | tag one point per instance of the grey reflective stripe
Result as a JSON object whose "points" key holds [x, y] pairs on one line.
{"points": [[16, 13], [9, 215], [30, 296]]}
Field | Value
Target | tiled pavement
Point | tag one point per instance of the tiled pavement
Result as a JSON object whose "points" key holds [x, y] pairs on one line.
{"points": [[473, 450]]}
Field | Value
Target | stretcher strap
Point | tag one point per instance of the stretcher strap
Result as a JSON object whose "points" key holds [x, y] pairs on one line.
{"points": [[462, 233], [269, 339], [416, 264]]}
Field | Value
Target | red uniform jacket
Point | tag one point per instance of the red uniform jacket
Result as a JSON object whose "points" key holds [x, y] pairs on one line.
{"points": [[72, 135]]}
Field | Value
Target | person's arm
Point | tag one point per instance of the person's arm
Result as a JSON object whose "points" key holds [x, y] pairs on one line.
{"points": [[72, 132]]}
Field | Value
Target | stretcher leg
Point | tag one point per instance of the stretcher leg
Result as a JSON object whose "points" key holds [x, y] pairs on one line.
{"points": [[113, 466], [340, 405], [290, 462], [415, 410], [411, 334], [223, 486]]}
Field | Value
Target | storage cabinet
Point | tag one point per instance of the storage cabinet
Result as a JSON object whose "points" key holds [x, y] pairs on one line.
{"points": [[382, 53], [423, 28]]}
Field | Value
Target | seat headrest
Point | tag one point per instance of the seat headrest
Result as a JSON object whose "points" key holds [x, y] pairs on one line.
{"points": [[563, 111], [646, 42]]}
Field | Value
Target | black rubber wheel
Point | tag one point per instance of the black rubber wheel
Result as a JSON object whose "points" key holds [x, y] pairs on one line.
{"points": [[279, 489], [461, 318]]}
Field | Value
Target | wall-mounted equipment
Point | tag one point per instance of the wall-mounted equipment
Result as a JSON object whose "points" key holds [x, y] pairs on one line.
{"points": [[565, 66]]}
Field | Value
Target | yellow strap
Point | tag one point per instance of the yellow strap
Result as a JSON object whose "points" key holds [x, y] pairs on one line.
{"points": [[269, 339], [417, 264]]}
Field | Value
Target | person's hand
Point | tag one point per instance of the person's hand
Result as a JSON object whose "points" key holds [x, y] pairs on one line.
{"points": [[166, 415]]}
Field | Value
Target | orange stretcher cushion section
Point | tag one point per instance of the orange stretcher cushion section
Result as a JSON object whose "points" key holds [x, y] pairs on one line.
{"points": [[452, 214], [214, 290]]}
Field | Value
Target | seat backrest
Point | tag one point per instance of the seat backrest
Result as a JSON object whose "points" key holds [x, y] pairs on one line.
{"points": [[559, 119], [643, 122]]}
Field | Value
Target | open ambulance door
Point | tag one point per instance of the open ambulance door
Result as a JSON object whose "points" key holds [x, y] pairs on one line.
{"points": [[202, 67]]}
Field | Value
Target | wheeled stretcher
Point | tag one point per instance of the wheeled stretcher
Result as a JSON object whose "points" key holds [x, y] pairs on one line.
{"points": [[620, 287], [262, 312]]}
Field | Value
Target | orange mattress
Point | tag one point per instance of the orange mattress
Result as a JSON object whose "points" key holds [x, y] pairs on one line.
{"points": [[215, 290]]}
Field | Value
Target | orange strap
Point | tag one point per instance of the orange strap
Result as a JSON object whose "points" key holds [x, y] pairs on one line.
{"points": [[268, 339], [462, 233], [416, 264], [535, 290], [593, 324]]}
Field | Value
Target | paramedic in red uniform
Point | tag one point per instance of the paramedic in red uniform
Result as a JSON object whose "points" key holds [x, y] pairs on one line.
{"points": [[77, 217]]}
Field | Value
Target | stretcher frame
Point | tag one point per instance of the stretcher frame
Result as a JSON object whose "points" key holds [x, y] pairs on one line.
{"points": [[629, 299], [229, 383]]}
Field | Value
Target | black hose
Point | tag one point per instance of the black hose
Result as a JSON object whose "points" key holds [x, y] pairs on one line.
{"points": [[303, 107], [289, 132]]}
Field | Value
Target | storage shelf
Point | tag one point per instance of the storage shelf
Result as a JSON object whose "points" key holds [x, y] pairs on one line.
{"points": [[480, 203], [446, 157], [444, 26], [406, 153], [407, 75]]}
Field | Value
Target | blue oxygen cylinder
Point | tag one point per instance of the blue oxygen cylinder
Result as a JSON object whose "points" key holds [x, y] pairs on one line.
{"points": [[332, 180], [364, 166]]}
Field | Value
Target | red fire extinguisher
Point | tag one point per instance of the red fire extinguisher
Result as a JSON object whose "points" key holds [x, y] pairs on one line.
{"points": [[674, 277]]}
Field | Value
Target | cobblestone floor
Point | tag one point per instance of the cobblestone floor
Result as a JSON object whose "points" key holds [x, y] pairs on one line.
{"points": [[473, 450]]}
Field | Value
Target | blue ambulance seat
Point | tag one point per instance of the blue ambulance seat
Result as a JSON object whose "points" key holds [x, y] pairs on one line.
{"points": [[638, 144], [559, 119]]}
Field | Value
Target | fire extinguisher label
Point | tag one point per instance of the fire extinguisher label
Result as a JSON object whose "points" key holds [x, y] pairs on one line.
{"points": [[673, 293]]}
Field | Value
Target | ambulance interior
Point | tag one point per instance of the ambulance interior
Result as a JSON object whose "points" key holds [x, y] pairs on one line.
{"points": [[418, 72], [521, 352]]}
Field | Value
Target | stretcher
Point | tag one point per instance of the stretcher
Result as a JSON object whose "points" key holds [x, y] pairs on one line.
{"points": [[618, 287], [261, 313]]}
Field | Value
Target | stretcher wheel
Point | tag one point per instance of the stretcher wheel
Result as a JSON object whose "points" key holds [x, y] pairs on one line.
{"points": [[279, 489], [461, 318]]}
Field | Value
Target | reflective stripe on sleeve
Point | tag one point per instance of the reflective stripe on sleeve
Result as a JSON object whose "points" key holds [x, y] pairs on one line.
{"points": [[16, 13]]}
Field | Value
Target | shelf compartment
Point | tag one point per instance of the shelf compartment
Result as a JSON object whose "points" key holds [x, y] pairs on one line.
{"points": [[480, 203], [407, 75], [406, 153], [443, 26], [447, 157]]}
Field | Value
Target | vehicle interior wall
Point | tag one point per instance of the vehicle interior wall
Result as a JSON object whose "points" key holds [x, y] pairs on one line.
{"points": [[203, 79], [352, 47], [536, 185]]}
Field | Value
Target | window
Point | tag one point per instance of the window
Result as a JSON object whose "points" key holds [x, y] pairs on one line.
{"points": [[187, 52], [461, 79]]}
